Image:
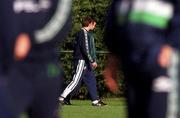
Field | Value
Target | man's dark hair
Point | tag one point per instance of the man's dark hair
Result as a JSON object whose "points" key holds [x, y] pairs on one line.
{"points": [[86, 21]]}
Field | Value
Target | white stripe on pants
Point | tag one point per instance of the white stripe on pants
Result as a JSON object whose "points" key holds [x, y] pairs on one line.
{"points": [[173, 99], [76, 79]]}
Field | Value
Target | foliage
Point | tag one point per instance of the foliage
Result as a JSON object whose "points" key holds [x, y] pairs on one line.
{"points": [[96, 9]]}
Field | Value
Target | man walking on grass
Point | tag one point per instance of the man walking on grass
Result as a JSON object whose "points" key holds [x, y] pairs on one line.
{"points": [[84, 63]]}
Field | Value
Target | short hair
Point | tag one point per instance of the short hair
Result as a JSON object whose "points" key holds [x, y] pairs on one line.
{"points": [[86, 21]]}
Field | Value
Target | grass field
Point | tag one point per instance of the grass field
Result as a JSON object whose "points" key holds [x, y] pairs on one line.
{"points": [[116, 108]]}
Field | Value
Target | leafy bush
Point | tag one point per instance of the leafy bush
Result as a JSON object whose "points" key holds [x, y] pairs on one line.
{"points": [[96, 9]]}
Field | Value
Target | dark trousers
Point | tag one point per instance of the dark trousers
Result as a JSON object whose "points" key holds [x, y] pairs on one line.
{"points": [[143, 101], [153, 97], [85, 74], [88, 78], [5, 104], [33, 88]]}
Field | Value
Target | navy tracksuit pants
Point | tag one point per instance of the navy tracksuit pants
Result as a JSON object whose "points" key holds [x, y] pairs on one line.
{"points": [[34, 87], [82, 73]]}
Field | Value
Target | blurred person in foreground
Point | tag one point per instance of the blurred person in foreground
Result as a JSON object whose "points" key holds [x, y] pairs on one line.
{"points": [[31, 30], [3, 108], [84, 60], [143, 36]]}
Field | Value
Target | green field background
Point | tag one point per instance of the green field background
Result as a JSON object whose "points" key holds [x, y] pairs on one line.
{"points": [[116, 108]]}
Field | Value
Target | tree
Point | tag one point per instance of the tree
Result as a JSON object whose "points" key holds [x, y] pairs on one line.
{"points": [[96, 9]]}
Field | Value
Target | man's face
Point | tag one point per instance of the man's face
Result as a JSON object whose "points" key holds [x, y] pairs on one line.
{"points": [[92, 25]]}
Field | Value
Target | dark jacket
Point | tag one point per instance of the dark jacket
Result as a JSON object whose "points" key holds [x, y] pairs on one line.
{"points": [[92, 46], [47, 22], [136, 30], [81, 47]]}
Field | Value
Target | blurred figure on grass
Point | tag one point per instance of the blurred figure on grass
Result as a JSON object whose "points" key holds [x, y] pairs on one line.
{"points": [[31, 30], [143, 36]]}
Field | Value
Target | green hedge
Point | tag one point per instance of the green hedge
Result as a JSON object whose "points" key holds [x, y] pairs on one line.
{"points": [[96, 9]]}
